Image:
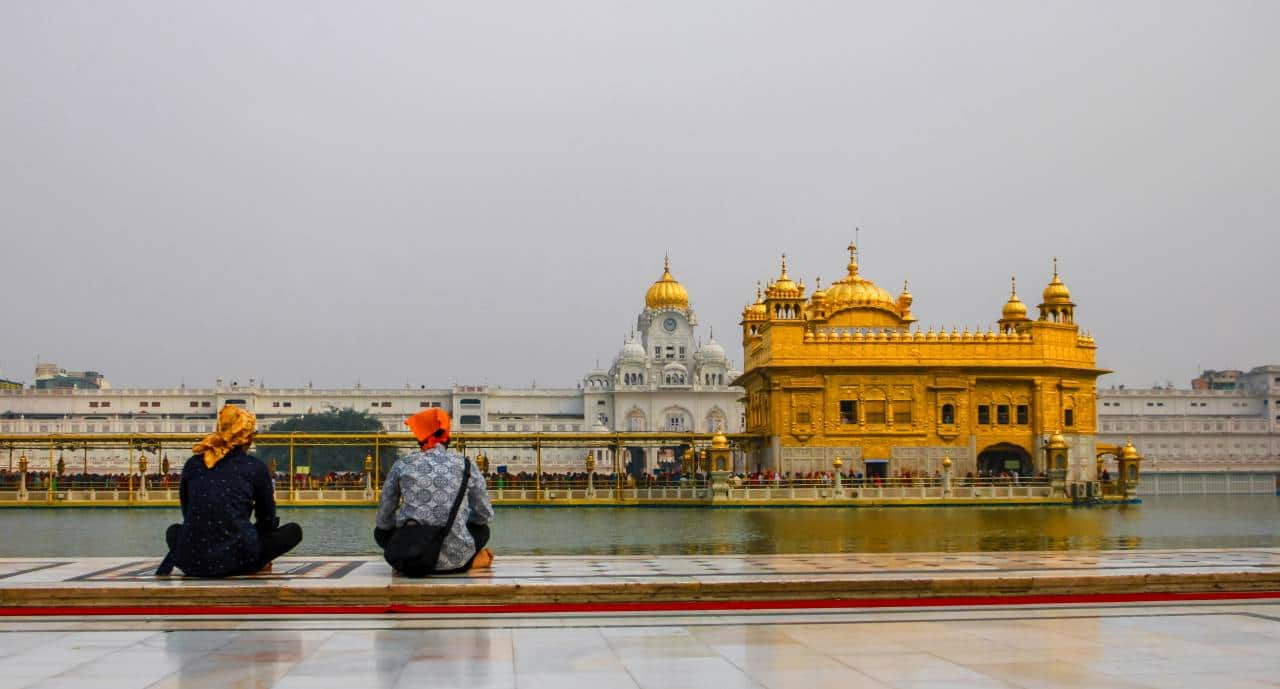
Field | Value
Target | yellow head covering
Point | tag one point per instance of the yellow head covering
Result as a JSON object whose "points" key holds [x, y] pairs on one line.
{"points": [[236, 427]]}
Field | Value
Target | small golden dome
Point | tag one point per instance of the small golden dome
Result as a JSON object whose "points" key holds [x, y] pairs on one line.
{"points": [[1056, 292], [1129, 451], [758, 308], [784, 287], [719, 442], [666, 292], [818, 293], [1057, 441], [854, 290], [1014, 309]]}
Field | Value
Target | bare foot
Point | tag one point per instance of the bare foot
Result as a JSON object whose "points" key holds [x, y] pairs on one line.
{"points": [[266, 569], [483, 559]]}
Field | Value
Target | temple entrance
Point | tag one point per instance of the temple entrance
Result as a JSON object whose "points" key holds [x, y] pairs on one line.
{"points": [[877, 468], [1005, 458]]}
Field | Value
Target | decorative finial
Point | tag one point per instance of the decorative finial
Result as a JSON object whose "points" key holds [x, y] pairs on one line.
{"points": [[818, 281], [784, 265], [666, 263], [905, 286], [1013, 286], [1055, 267], [759, 292]]}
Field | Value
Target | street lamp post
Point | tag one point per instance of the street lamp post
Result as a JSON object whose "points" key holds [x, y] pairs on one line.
{"points": [[22, 477], [836, 464], [591, 473], [368, 477], [946, 474], [142, 472]]}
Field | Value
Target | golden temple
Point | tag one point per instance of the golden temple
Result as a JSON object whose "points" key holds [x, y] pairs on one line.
{"points": [[842, 373]]}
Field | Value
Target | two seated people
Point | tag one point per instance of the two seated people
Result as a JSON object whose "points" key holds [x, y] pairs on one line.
{"points": [[433, 517]]}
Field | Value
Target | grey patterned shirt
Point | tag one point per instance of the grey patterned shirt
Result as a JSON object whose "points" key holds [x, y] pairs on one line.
{"points": [[422, 487]]}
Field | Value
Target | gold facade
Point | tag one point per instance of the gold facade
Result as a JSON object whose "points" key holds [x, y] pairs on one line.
{"points": [[843, 372]]}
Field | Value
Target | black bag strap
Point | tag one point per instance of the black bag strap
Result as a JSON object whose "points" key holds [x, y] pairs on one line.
{"points": [[457, 500]]}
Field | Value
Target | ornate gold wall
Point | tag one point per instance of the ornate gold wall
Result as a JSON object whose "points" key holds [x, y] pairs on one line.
{"points": [[842, 371]]}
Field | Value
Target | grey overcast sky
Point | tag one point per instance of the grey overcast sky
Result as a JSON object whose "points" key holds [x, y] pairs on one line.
{"points": [[429, 193]]}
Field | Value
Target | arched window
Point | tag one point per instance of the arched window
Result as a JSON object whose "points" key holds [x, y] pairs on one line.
{"points": [[948, 413]]}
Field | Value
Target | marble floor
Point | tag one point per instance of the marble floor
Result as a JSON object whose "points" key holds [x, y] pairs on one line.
{"points": [[1219, 645], [124, 572]]}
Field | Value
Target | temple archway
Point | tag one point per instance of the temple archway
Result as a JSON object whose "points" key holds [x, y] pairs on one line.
{"points": [[1003, 457]]}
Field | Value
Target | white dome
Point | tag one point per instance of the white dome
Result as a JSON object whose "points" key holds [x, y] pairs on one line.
{"points": [[712, 351], [632, 351]]}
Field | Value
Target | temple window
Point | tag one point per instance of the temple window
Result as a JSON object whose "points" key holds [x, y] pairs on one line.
{"points": [[1024, 414], [1002, 414], [948, 413], [984, 414], [1068, 417], [875, 411], [902, 412], [848, 411]]}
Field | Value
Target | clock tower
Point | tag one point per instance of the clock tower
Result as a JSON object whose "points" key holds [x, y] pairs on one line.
{"points": [[666, 325]]}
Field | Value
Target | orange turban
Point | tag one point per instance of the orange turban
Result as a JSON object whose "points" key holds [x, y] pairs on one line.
{"points": [[429, 426], [236, 427]]}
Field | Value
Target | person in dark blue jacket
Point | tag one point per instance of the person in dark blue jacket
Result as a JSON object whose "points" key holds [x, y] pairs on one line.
{"points": [[221, 486]]}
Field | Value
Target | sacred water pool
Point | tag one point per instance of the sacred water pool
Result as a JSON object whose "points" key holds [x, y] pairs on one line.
{"points": [[1207, 521]]}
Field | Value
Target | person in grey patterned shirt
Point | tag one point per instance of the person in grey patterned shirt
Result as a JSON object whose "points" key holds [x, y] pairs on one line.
{"points": [[421, 487]]}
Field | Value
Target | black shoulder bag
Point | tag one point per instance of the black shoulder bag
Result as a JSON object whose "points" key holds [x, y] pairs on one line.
{"points": [[414, 549]]}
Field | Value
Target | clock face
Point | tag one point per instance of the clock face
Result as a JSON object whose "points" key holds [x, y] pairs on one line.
{"points": [[669, 325]]}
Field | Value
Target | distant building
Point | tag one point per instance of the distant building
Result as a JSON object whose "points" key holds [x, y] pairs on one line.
{"points": [[1217, 380], [6, 384], [1228, 421], [50, 377]]}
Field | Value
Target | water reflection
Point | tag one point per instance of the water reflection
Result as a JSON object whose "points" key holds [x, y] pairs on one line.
{"points": [[1211, 521]]}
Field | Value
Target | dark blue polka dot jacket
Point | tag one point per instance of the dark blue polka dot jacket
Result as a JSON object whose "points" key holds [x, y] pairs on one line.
{"points": [[217, 538]]}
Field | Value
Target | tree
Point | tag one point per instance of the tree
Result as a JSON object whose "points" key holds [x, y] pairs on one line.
{"points": [[325, 458]]}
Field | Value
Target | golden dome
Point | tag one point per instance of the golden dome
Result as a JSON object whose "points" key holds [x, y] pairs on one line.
{"points": [[905, 299], [818, 293], [1129, 451], [854, 290], [1014, 309], [1057, 441], [666, 292], [784, 287], [1056, 292], [759, 306]]}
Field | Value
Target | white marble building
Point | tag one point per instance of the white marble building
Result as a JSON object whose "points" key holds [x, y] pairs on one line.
{"points": [[662, 380], [1190, 429]]}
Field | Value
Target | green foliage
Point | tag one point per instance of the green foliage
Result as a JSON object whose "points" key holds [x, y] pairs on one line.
{"points": [[327, 458]]}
